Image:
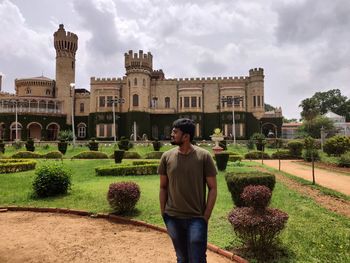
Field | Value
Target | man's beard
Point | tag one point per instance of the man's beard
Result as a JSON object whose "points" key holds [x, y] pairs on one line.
{"points": [[176, 143]]}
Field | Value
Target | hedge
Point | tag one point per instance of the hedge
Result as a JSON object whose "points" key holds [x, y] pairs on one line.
{"points": [[344, 160], [26, 154], [13, 166], [153, 155], [53, 155], [256, 155], [90, 155], [125, 170], [237, 181], [142, 162], [282, 154]]}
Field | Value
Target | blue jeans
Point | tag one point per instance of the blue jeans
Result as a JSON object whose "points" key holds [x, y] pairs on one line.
{"points": [[189, 238]]}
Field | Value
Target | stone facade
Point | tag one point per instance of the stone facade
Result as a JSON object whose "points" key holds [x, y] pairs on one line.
{"points": [[143, 97]]}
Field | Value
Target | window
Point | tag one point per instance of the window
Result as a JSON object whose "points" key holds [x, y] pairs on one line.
{"points": [[167, 102], [135, 100], [81, 130], [109, 101], [109, 130], [237, 101], [48, 92], [229, 101], [258, 101], [199, 102], [81, 107], [28, 91], [194, 102], [254, 101], [186, 102], [135, 81], [154, 102], [181, 102], [102, 101], [262, 101], [101, 130]]}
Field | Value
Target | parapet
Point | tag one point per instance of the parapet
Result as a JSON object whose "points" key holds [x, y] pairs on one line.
{"points": [[256, 72], [138, 60], [94, 80], [65, 41]]}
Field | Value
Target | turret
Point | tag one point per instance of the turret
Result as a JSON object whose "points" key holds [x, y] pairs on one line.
{"points": [[139, 68], [66, 45], [255, 92]]}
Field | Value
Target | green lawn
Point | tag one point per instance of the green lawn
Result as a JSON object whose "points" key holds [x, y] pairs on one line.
{"points": [[313, 234]]}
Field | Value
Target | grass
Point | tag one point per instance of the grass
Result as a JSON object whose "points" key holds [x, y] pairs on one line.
{"points": [[313, 234]]}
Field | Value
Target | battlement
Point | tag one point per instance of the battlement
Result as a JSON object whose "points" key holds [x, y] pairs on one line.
{"points": [[94, 80], [207, 80], [138, 61], [256, 72], [65, 41]]}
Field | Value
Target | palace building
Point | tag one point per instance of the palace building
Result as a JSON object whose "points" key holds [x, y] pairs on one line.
{"points": [[144, 98]]}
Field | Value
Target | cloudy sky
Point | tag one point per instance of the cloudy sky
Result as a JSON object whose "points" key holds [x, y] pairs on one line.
{"points": [[303, 45]]}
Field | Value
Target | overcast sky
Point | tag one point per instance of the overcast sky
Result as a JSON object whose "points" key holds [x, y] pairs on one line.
{"points": [[303, 45]]}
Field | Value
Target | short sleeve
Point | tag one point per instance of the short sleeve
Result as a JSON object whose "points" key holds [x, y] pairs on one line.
{"points": [[209, 166], [162, 168]]}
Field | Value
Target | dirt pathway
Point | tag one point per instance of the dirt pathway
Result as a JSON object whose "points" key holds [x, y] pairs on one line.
{"points": [[332, 180], [45, 237]]}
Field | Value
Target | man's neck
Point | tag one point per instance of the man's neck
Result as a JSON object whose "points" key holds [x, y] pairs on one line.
{"points": [[186, 148]]}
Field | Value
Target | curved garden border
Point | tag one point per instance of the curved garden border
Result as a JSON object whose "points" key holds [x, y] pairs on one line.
{"points": [[117, 219]]}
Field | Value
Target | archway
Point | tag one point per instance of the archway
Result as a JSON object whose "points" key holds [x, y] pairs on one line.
{"points": [[34, 130], [13, 131], [52, 131]]}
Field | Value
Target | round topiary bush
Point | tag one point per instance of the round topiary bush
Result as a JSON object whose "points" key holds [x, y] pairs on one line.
{"points": [[90, 155], [30, 145], [295, 148], [25, 155], [344, 160], [118, 156], [337, 145], [51, 180], [131, 155], [256, 155], [221, 160], [154, 155], [123, 196], [53, 155], [256, 196]]}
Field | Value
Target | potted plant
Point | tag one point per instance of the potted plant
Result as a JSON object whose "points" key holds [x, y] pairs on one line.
{"points": [[30, 145], [93, 145], [156, 145]]}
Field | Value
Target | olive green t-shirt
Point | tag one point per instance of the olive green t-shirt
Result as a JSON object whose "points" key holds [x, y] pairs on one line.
{"points": [[186, 181]]}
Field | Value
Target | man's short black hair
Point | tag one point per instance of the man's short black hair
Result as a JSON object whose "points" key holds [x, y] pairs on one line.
{"points": [[186, 126]]}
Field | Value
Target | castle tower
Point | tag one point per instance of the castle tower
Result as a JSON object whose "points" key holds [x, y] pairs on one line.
{"points": [[255, 92], [138, 71], [66, 45]]}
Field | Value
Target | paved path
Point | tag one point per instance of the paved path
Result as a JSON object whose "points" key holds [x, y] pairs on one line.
{"points": [[332, 180]]}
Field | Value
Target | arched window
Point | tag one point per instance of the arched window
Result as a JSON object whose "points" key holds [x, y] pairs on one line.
{"points": [[135, 81], [135, 100], [48, 92], [167, 102], [28, 90], [81, 130], [81, 107]]}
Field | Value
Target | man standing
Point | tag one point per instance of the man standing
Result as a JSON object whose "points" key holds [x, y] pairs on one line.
{"points": [[185, 172]]}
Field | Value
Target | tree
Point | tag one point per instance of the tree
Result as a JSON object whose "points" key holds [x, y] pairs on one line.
{"points": [[285, 120], [313, 127], [269, 107], [310, 109]]}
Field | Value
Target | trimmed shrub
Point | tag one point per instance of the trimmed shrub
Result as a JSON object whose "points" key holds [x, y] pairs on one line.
{"points": [[295, 148], [344, 160], [153, 155], [93, 145], [337, 145], [30, 145], [118, 156], [282, 154], [132, 155], [235, 158], [258, 226], [142, 162], [125, 170], [156, 145], [124, 144], [53, 155], [223, 144], [250, 144], [25, 155], [2, 146], [256, 155], [17, 145], [51, 180], [62, 146], [236, 182], [90, 155], [13, 165], [123, 196], [221, 160], [259, 140], [307, 155]]}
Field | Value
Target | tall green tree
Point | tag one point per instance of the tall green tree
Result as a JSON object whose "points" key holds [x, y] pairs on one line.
{"points": [[310, 108], [313, 127]]}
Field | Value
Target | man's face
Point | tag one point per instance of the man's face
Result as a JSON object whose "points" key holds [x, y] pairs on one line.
{"points": [[177, 137]]}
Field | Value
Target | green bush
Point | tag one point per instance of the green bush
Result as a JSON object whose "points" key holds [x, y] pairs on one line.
{"points": [[93, 145], [62, 146], [30, 145], [124, 170], [13, 165], [259, 140], [337, 145], [131, 155], [2, 146], [223, 145], [282, 154], [53, 155], [153, 155], [221, 160], [51, 180], [17, 145], [235, 158], [142, 162], [123, 196], [156, 145], [237, 181], [256, 155], [26, 154], [118, 156], [125, 144], [344, 160], [295, 148], [308, 157], [90, 155]]}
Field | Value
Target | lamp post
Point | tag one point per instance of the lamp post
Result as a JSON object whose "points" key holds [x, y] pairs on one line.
{"points": [[233, 101], [72, 86], [115, 101]]}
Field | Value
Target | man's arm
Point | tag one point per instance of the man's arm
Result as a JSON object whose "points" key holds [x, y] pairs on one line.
{"points": [[163, 192], [211, 183]]}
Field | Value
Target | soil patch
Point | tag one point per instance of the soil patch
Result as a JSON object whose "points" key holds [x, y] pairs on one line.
{"points": [[47, 237]]}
